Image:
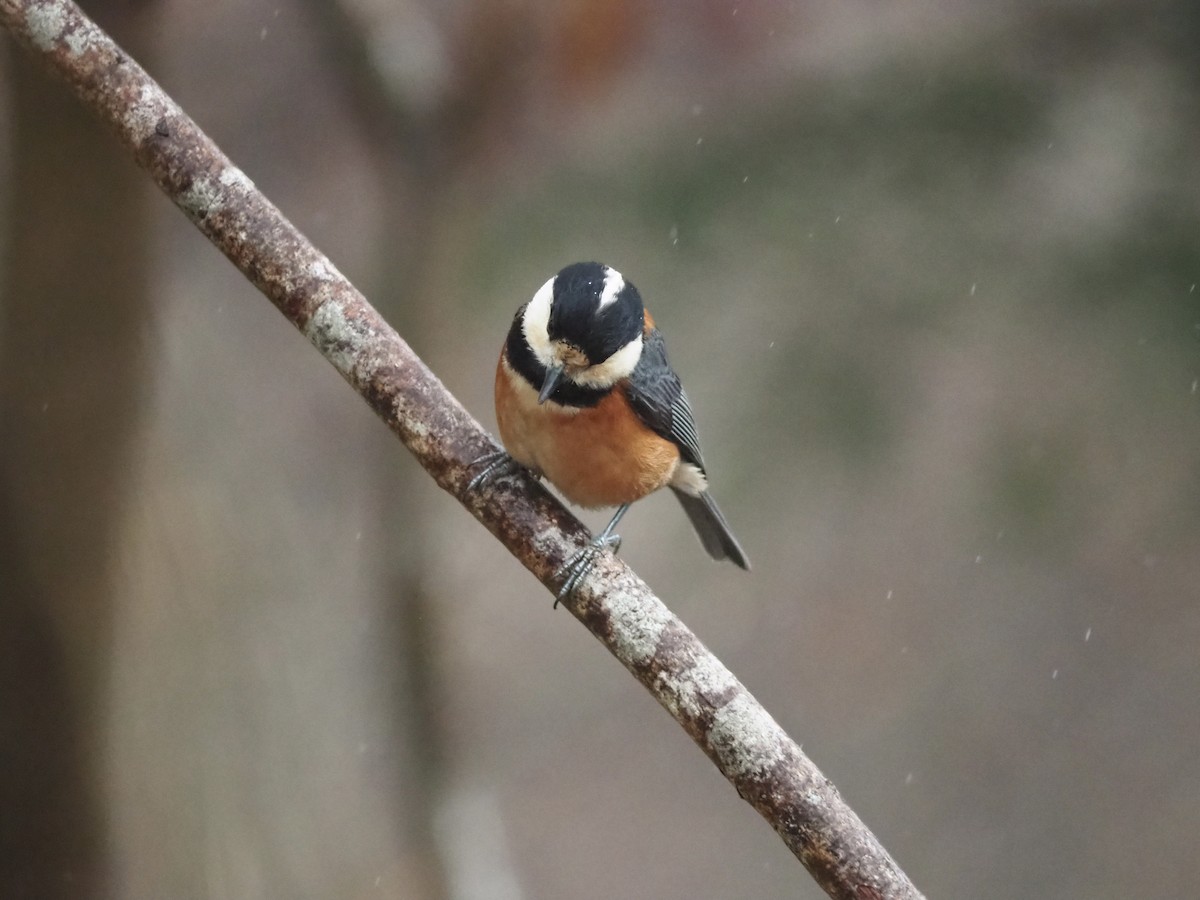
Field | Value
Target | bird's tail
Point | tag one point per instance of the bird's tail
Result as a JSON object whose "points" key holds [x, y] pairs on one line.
{"points": [[714, 531]]}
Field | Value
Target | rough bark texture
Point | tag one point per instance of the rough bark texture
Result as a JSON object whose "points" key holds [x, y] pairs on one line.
{"points": [[747, 745]]}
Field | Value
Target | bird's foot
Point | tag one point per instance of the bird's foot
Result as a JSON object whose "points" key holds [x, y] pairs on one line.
{"points": [[495, 463], [581, 563]]}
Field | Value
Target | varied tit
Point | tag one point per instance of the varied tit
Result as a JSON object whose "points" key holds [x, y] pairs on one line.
{"points": [[586, 397]]}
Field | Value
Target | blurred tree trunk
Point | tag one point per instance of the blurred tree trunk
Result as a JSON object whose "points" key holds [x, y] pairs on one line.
{"points": [[422, 137], [405, 146], [73, 313]]}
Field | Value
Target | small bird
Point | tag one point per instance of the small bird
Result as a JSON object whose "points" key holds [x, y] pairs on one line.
{"points": [[585, 396]]}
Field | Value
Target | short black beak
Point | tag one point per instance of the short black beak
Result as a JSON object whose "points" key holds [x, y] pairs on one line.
{"points": [[553, 376]]}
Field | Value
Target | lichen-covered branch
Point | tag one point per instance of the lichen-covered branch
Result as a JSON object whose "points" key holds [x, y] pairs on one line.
{"points": [[747, 745]]}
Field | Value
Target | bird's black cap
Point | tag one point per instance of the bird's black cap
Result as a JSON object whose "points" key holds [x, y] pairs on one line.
{"points": [[594, 309]]}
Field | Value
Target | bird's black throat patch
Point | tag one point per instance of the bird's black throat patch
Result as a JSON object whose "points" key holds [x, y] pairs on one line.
{"points": [[523, 361]]}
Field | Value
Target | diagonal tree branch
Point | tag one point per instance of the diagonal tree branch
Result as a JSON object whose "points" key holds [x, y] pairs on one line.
{"points": [[738, 735]]}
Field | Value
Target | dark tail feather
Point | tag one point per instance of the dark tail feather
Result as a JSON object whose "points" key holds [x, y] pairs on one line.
{"points": [[714, 531]]}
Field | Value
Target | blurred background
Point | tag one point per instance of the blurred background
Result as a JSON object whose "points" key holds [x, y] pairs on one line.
{"points": [[929, 273]]}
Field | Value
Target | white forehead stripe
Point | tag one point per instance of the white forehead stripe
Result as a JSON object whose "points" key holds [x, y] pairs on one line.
{"points": [[613, 285]]}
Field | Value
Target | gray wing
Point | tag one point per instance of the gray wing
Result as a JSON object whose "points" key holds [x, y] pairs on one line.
{"points": [[657, 397]]}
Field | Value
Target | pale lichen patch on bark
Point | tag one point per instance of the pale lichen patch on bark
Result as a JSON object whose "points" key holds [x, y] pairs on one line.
{"points": [[200, 198], [79, 41], [637, 623], [235, 178], [335, 336], [46, 24], [141, 120], [702, 686], [320, 268], [547, 542], [746, 740]]}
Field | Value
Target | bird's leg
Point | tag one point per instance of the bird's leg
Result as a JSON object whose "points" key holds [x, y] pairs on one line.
{"points": [[498, 462], [582, 561]]}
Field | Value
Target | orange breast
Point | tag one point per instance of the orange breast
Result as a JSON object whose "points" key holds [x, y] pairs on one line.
{"points": [[597, 456]]}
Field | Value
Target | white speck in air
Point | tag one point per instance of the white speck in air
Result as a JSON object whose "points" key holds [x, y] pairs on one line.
{"points": [[699, 141], [978, 560], [889, 595], [1054, 675], [908, 779], [1087, 635], [972, 288]]}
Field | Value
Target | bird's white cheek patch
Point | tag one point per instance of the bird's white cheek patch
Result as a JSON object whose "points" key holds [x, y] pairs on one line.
{"points": [[620, 365], [536, 323]]}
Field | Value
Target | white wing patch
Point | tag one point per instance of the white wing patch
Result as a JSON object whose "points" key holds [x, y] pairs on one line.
{"points": [[689, 479]]}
